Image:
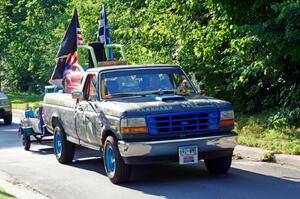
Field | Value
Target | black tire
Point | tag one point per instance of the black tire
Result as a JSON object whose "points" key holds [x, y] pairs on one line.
{"points": [[122, 170], [67, 152], [7, 120], [218, 165], [26, 142]]}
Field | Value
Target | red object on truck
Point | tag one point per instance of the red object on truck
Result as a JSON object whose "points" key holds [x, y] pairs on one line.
{"points": [[73, 78]]}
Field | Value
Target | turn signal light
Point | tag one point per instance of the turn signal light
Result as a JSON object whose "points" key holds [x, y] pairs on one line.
{"points": [[134, 130], [227, 122]]}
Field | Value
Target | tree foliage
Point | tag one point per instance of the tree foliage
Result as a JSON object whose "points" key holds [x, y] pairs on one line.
{"points": [[29, 41], [244, 51]]}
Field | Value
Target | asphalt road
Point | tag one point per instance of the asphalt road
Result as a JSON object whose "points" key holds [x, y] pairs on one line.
{"points": [[85, 177]]}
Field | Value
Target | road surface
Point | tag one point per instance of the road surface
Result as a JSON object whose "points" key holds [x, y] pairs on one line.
{"points": [[85, 177]]}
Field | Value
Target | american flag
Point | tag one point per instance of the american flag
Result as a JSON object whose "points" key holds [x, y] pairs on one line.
{"points": [[79, 36], [70, 62], [72, 59], [67, 56]]}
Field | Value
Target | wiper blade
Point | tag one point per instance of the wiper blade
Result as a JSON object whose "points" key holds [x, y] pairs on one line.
{"points": [[140, 93], [124, 95], [162, 91]]}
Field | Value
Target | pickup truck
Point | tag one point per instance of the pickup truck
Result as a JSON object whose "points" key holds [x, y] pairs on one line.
{"points": [[141, 114]]}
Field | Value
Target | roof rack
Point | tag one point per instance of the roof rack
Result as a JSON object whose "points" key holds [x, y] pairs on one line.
{"points": [[106, 48], [112, 63], [120, 46]]}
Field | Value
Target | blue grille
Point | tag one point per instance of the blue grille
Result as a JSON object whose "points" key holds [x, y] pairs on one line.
{"points": [[183, 122]]}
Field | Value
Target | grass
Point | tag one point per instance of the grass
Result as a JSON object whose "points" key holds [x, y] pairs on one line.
{"points": [[5, 195], [268, 157], [253, 132], [19, 99]]}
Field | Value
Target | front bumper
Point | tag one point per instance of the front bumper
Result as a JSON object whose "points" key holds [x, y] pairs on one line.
{"points": [[167, 150]]}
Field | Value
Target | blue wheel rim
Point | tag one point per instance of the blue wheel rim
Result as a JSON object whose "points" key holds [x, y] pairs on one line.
{"points": [[57, 144], [110, 160]]}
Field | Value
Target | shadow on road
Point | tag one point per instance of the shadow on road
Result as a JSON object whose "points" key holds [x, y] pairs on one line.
{"points": [[174, 181], [43, 151], [91, 164]]}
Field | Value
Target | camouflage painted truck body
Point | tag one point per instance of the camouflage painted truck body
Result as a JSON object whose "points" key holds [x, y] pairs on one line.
{"points": [[142, 128]]}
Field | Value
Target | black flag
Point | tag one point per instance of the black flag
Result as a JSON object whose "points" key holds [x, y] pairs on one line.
{"points": [[66, 55], [103, 35]]}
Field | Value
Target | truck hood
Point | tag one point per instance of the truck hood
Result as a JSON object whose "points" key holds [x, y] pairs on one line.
{"points": [[153, 104]]}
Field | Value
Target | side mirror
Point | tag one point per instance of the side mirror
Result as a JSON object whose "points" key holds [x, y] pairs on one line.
{"points": [[77, 95]]}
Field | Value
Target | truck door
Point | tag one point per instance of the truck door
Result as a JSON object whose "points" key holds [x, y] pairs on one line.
{"points": [[87, 119]]}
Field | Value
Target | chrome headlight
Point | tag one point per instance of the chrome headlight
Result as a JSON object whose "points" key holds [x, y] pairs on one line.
{"points": [[133, 122], [227, 115], [133, 125]]}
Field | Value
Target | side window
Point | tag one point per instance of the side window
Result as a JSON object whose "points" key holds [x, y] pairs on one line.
{"points": [[182, 84], [90, 88]]}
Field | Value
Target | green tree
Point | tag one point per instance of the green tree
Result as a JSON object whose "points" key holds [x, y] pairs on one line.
{"points": [[31, 33], [244, 51]]}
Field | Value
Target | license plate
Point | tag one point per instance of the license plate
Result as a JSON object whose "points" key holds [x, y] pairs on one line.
{"points": [[188, 154]]}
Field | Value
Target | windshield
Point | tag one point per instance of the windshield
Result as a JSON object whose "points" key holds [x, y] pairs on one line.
{"points": [[145, 81]]}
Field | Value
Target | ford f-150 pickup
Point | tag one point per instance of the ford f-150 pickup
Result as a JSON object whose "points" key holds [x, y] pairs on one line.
{"points": [[141, 114]]}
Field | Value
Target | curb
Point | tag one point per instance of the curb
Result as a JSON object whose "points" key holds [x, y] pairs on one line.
{"points": [[18, 189], [291, 160], [251, 153], [257, 154]]}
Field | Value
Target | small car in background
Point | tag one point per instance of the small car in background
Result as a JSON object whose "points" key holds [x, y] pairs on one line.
{"points": [[5, 109]]}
